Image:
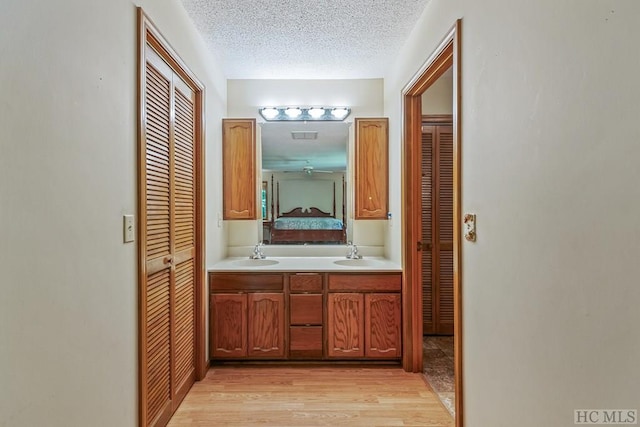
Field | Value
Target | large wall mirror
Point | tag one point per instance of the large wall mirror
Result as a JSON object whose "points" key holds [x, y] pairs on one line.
{"points": [[304, 172]]}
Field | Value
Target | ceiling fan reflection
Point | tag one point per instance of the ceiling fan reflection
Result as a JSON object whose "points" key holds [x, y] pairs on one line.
{"points": [[308, 170]]}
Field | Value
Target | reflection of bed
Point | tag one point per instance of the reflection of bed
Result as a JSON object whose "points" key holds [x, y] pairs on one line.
{"points": [[306, 224], [309, 225]]}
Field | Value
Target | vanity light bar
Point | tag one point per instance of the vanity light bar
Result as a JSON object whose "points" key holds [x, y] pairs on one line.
{"points": [[276, 114]]}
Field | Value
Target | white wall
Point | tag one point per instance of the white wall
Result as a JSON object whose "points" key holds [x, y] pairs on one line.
{"points": [[364, 96], [550, 146], [438, 98], [68, 304]]}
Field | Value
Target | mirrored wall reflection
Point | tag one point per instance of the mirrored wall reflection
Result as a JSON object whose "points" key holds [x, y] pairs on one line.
{"points": [[304, 172]]}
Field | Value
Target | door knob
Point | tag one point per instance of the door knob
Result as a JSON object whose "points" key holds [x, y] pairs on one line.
{"points": [[424, 246]]}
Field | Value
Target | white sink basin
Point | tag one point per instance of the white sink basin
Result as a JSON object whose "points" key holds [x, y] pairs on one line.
{"points": [[358, 262], [255, 262]]}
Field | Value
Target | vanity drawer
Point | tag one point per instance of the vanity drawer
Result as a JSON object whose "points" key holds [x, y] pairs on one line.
{"points": [[305, 341], [306, 309], [365, 282], [245, 282], [311, 282]]}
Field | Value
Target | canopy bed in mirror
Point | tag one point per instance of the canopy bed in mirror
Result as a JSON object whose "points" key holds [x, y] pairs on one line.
{"points": [[307, 224]]}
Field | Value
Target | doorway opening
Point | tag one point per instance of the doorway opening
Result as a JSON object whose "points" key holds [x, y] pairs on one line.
{"points": [[445, 57]]}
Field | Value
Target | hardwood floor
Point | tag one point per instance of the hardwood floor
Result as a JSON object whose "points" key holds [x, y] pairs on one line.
{"points": [[311, 396]]}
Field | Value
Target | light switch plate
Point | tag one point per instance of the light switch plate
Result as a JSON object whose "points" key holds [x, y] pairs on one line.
{"points": [[129, 228], [470, 227]]}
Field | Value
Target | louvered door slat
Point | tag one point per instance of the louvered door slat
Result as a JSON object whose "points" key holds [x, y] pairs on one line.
{"points": [[157, 152], [152, 91], [155, 122]]}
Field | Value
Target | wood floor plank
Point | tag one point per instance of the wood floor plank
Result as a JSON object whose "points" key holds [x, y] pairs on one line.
{"points": [[311, 396]]}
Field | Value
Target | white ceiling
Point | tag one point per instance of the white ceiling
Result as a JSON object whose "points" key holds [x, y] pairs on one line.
{"points": [[304, 39]]}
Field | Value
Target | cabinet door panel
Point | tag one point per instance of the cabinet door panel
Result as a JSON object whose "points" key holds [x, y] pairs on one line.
{"points": [[382, 324], [266, 325], [228, 325], [239, 168], [371, 168], [345, 325]]}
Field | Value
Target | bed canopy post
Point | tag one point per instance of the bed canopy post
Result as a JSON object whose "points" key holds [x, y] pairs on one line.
{"points": [[334, 199], [272, 193], [278, 201], [344, 217]]}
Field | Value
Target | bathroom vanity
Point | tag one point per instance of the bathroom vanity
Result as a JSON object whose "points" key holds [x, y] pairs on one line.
{"points": [[313, 309]]}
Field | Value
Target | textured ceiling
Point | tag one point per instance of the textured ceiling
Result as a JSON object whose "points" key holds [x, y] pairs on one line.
{"points": [[304, 39]]}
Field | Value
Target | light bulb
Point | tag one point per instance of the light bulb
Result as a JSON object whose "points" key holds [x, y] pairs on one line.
{"points": [[269, 113], [316, 112], [340, 113], [293, 112]]}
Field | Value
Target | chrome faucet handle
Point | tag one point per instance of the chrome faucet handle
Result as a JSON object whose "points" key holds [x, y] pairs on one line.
{"points": [[353, 251], [257, 251], [355, 254]]}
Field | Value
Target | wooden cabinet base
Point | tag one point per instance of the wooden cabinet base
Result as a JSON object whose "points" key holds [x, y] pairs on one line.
{"points": [[305, 317]]}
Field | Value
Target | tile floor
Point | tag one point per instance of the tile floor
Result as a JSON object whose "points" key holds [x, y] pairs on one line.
{"points": [[438, 368]]}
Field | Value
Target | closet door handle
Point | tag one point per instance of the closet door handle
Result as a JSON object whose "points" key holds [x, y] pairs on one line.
{"points": [[167, 260], [424, 246]]}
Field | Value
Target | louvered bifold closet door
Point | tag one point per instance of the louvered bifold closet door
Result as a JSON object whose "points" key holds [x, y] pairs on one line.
{"points": [[444, 239], [437, 229], [157, 306], [168, 219], [184, 210], [427, 178]]}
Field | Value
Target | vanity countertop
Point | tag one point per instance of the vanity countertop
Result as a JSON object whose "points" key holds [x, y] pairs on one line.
{"points": [[306, 264]]}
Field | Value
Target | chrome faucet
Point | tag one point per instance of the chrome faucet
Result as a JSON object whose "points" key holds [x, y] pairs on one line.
{"points": [[257, 251], [353, 251]]}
